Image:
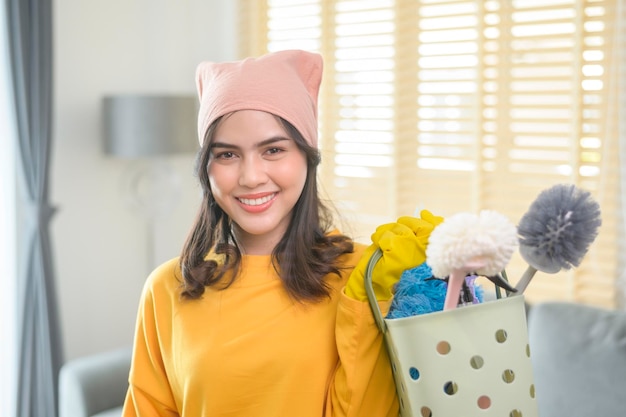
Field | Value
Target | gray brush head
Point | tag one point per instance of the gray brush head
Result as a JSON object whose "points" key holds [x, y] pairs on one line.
{"points": [[556, 231]]}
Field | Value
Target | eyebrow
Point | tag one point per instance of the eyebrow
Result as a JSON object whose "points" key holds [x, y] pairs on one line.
{"points": [[265, 142]]}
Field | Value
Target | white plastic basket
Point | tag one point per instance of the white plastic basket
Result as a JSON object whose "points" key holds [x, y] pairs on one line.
{"points": [[470, 361]]}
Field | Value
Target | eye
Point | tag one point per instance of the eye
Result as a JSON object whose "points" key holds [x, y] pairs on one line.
{"points": [[224, 155], [273, 151]]}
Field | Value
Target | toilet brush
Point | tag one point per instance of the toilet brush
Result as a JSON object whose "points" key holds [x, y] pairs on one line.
{"points": [[557, 230]]}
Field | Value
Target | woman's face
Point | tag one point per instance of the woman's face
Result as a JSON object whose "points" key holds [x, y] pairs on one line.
{"points": [[257, 173]]}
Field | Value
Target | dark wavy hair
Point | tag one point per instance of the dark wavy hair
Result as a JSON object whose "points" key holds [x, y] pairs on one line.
{"points": [[302, 258]]}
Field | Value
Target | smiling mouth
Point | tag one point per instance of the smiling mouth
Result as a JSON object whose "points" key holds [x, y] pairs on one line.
{"points": [[256, 201]]}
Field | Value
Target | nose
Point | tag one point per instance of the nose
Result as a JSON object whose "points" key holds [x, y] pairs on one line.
{"points": [[253, 172]]}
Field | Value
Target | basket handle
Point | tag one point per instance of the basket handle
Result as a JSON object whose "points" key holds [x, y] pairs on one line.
{"points": [[369, 289]]}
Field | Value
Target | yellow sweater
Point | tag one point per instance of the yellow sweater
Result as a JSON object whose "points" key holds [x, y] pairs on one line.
{"points": [[251, 351]]}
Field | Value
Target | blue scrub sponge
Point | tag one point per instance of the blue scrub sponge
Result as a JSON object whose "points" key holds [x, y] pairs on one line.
{"points": [[418, 292]]}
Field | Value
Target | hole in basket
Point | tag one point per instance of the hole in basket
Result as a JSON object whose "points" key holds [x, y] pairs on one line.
{"points": [[508, 376], [477, 362], [414, 373], [450, 388], [484, 402], [443, 347], [527, 350], [425, 411], [501, 336], [532, 390], [515, 413]]}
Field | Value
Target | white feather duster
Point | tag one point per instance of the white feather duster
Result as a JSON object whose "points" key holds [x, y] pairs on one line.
{"points": [[465, 243]]}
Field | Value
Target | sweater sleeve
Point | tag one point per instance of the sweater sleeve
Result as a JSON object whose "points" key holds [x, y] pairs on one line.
{"points": [[363, 384], [149, 392]]}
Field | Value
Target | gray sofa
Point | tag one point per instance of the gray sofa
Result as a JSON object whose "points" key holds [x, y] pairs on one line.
{"points": [[94, 385], [579, 360], [578, 355]]}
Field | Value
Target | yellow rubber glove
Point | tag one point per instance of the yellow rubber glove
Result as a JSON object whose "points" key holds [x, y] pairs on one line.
{"points": [[403, 246]]}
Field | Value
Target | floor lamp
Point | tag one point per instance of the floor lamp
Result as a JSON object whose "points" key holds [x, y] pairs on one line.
{"points": [[147, 129]]}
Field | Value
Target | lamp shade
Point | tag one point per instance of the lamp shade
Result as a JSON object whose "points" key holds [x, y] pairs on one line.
{"points": [[149, 125]]}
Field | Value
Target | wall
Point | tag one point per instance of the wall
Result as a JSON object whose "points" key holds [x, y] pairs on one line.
{"points": [[101, 246]]}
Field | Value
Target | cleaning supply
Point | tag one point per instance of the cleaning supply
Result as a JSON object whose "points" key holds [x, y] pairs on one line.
{"points": [[403, 245], [418, 292], [557, 230], [468, 243]]}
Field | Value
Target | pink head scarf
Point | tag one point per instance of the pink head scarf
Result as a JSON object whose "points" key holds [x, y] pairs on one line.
{"points": [[284, 83]]}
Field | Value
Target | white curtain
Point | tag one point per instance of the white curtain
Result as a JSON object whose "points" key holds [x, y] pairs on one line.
{"points": [[8, 267]]}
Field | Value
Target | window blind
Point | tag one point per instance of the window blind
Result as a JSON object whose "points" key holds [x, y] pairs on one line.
{"points": [[461, 106]]}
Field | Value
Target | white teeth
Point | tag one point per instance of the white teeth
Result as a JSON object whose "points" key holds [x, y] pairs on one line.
{"points": [[256, 201]]}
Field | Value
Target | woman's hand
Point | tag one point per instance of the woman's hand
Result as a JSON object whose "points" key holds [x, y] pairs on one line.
{"points": [[403, 245]]}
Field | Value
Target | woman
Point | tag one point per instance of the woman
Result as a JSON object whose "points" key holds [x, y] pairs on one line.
{"points": [[264, 312]]}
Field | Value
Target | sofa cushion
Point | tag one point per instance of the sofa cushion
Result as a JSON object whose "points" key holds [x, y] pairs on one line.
{"points": [[94, 383], [114, 412], [578, 354]]}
